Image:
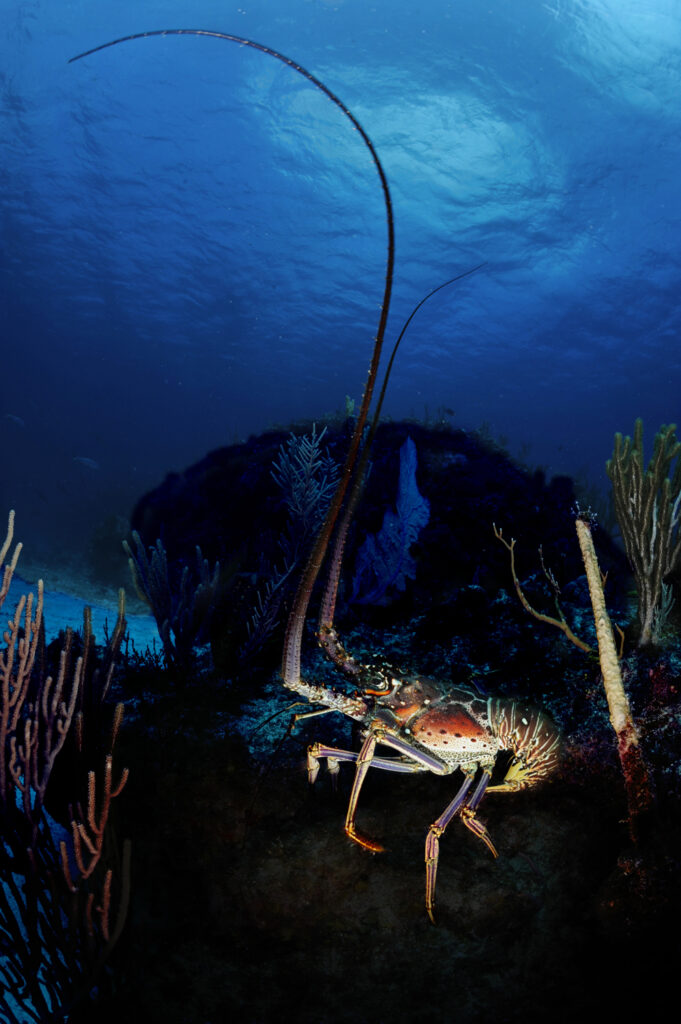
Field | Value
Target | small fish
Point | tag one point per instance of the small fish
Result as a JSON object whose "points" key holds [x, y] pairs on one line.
{"points": [[85, 461], [15, 419]]}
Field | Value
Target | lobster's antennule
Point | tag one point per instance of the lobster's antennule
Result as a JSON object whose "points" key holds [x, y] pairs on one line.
{"points": [[327, 635], [388, 369], [294, 629]]}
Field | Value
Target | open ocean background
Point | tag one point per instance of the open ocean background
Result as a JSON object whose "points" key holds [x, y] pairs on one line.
{"points": [[193, 237]]}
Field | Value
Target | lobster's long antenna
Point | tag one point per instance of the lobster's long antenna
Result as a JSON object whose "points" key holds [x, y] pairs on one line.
{"points": [[294, 631]]}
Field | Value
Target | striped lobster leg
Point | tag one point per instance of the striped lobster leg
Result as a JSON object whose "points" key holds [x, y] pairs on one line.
{"points": [[466, 807]]}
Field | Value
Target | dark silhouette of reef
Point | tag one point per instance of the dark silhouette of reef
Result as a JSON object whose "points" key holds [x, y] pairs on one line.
{"points": [[230, 506]]}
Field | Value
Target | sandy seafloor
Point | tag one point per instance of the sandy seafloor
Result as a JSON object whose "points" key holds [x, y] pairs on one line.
{"points": [[64, 608]]}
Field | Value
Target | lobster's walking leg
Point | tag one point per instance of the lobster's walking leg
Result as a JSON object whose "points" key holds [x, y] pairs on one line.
{"points": [[336, 754], [433, 844], [468, 813], [466, 807], [364, 759]]}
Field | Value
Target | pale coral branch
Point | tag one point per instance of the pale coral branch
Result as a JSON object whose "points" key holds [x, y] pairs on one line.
{"points": [[559, 623], [105, 905], [96, 823], [16, 666], [8, 571]]}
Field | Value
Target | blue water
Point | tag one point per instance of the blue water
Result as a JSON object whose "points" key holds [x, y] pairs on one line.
{"points": [[64, 610], [194, 241]]}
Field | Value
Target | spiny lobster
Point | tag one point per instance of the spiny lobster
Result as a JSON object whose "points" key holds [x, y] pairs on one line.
{"points": [[430, 725]]}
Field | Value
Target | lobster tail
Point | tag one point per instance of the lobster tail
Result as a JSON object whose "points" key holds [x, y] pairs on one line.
{"points": [[531, 736]]}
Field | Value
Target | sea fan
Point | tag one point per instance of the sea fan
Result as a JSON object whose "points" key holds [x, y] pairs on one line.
{"points": [[384, 564]]}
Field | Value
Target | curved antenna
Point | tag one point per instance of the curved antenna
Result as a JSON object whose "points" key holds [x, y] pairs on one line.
{"points": [[327, 637], [294, 630], [388, 369]]}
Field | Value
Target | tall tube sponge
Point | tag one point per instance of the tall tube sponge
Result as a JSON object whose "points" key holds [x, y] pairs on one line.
{"points": [[636, 779]]}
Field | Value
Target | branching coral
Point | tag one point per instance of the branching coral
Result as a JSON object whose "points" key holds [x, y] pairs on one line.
{"points": [[648, 510], [181, 601], [307, 476], [62, 904]]}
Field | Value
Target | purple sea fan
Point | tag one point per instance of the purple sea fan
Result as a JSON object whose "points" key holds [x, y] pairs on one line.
{"points": [[384, 563]]}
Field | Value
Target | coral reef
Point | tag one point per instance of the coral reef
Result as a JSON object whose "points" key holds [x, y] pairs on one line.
{"points": [[63, 899], [247, 898], [459, 567]]}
